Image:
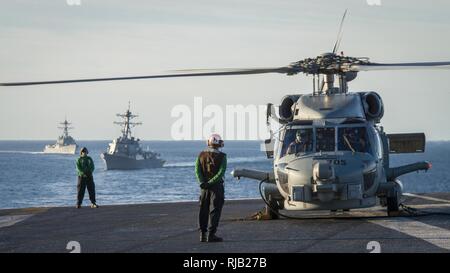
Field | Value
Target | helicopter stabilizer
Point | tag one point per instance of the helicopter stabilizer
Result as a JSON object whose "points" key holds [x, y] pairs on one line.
{"points": [[253, 174], [395, 172]]}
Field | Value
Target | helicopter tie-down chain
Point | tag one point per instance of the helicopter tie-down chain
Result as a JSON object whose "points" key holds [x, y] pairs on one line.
{"points": [[410, 210], [413, 212]]}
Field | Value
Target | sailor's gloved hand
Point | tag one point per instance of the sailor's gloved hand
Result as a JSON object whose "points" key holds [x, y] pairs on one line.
{"points": [[204, 185], [86, 175]]}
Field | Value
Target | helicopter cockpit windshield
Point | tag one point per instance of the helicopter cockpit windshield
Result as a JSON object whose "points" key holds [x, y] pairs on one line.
{"points": [[353, 139], [298, 141], [325, 139], [302, 141]]}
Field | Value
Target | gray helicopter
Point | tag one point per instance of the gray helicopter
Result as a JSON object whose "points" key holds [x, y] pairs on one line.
{"points": [[330, 152]]}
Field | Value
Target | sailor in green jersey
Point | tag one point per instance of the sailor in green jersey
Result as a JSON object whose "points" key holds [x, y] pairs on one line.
{"points": [[85, 168], [210, 170]]}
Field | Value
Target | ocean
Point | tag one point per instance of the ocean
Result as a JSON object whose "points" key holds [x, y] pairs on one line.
{"points": [[29, 178]]}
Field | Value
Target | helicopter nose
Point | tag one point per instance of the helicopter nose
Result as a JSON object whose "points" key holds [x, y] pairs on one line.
{"points": [[323, 178], [323, 171]]}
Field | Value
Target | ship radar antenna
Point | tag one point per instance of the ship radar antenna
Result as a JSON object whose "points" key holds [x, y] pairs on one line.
{"points": [[65, 127], [126, 123]]}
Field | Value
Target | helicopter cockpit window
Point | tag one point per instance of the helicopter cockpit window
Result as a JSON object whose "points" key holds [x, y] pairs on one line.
{"points": [[325, 140], [297, 141], [353, 139]]}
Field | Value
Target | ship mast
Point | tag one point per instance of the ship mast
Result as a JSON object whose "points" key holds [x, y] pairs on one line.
{"points": [[126, 123], [65, 127]]}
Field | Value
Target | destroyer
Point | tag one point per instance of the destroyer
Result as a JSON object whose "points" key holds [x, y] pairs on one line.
{"points": [[65, 144], [125, 152]]}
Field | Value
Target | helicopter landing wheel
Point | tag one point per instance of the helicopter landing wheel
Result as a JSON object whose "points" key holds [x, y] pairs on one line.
{"points": [[272, 208], [392, 206], [272, 211]]}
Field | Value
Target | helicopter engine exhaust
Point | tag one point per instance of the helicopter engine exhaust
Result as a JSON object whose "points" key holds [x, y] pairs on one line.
{"points": [[373, 106], [286, 111]]}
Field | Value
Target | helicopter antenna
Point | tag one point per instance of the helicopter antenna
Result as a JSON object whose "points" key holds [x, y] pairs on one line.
{"points": [[340, 33]]}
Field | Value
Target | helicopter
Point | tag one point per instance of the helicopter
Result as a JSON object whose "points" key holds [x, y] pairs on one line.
{"points": [[330, 151]]}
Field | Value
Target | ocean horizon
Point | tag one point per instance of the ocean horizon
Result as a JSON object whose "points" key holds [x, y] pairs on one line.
{"points": [[30, 178]]}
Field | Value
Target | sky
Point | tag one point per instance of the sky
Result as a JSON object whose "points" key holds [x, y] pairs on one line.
{"points": [[51, 40]]}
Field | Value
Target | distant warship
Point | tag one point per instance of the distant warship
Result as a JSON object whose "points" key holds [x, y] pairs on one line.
{"points": [[65, 144], [125, 152]]}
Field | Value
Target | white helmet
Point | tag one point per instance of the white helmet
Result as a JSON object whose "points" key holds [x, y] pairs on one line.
{"points": [[215, 141]]}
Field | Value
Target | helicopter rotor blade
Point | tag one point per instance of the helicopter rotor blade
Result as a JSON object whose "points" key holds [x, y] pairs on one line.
{"points": [[398, 66], [173, 74]]}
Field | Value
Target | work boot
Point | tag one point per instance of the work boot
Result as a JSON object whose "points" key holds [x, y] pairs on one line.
{"points": [[78, 206], [212, 238], [94, 206], [203, 237]]}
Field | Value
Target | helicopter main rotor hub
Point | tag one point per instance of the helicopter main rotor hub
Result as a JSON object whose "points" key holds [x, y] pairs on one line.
{"points": [[328, 63], [326, 67]]}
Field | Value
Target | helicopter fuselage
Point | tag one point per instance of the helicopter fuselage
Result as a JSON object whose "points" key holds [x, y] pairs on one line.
{"points": [[328, 174], [330, 153], [329, 156]]}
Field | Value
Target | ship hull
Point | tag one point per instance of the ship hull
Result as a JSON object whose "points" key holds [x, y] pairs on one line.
{"points": [[58, 149], [115, 162]]}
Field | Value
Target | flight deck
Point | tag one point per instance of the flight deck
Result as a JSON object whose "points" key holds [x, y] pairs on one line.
{"points": [[171, 227]]}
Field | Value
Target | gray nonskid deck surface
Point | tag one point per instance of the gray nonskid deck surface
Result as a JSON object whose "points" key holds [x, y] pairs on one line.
{"points": [[172, 227]]}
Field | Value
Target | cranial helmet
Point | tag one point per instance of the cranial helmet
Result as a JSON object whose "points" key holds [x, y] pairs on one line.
{"points": [[215, 140], [84, 150]]}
